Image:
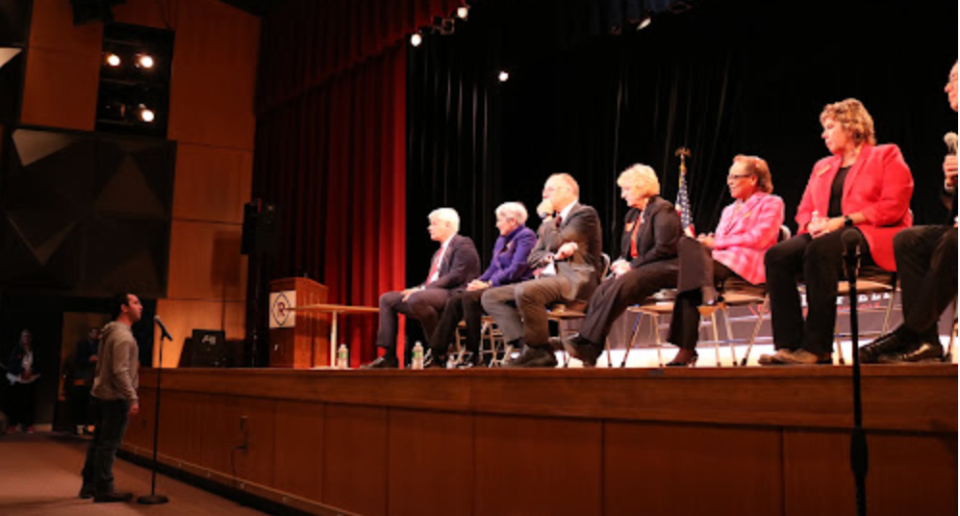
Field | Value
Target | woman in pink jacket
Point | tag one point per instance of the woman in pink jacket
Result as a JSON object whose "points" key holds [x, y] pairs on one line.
{"points": [[748, 228], [863, 186]]}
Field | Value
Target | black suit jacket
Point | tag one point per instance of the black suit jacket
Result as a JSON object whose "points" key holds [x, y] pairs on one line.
{"points": [[658, 234], [461, 264], [581, 271]]}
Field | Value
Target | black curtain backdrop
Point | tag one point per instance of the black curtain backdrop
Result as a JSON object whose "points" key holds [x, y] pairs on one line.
{"points": [[724, 78]]}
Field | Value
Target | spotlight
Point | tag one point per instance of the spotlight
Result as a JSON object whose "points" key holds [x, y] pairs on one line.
{"points": [[113, 60], [146, 115], [145, 61], [504, 76], [645, 23], [416, 40], [463, 12]]}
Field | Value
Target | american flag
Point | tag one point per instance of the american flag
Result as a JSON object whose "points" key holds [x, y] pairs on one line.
{"points": [[683, 205]]}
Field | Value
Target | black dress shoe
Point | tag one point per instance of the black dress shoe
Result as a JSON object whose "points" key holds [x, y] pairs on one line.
{"points": [[87, 492], [888, 344], [923, 352], [684, 358], [113, 498], [382, 363], [539, 357], [582, 349]]}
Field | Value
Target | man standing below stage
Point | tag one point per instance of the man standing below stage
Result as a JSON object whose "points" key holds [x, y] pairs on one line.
{"points": [[453, 265], [568, 261], [927, 265], [114, 400]]}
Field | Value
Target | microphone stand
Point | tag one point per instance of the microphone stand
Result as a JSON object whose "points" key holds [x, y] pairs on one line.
{"points": [[153, 498], [859, 455]]}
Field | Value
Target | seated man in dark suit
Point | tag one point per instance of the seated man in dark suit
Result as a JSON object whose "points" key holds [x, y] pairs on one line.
{"points": [[453, 265], [568, 259]]}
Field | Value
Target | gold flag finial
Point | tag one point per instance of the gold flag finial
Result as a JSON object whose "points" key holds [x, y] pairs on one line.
{"points": [[683, 153]]}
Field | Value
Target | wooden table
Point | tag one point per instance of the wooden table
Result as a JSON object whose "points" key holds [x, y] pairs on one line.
{"points": [[335, 311]]}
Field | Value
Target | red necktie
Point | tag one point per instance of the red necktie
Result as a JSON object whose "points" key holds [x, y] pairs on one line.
{"points": [[633, 237], [434, 265]]}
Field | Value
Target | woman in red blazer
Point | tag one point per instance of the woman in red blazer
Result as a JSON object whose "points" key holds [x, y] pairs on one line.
{"points": [[862, 185]]}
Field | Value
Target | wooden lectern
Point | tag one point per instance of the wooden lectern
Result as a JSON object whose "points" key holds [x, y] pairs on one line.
{"points": [[298, 340]]}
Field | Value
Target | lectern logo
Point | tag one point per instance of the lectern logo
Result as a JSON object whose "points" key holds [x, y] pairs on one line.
{"points": [[281, 315]]}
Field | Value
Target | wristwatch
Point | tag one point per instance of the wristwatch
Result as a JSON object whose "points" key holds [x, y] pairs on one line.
{"points": [[847, 221]]}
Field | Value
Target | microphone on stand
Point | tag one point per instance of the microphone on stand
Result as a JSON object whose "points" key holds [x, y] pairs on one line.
{"points": [[859, 454], [163, 329]]}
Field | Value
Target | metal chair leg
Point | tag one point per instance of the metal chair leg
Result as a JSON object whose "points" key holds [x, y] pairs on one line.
{"points": [[716, 336], [656, 337], [633, 339], [606, 346], [733, 349], [761, 313]]}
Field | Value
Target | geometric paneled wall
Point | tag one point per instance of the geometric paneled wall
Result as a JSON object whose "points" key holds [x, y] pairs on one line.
{"points": [[86, 214]]}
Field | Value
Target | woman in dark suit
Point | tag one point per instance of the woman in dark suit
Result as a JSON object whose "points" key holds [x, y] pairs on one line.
{"points": [[863, 186], [647, 263], [508, 265]]}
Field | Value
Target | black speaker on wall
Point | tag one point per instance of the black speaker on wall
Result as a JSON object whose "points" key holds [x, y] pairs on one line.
{"points": [[261, 229]]}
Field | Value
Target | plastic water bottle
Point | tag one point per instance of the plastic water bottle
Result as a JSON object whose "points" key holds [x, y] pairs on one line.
{"points": [[342, 357], [417, 361]]}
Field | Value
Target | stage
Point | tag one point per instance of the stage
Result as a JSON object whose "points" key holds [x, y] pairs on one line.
{"points": [[744, 441]]}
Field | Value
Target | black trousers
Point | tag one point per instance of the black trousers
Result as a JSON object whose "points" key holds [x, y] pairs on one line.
{"points": [[78, 401], [819, 263], [423, 305], [21, 403], [463, 305], [927, 265], [615, 295], [112, 419], [698, 270]]}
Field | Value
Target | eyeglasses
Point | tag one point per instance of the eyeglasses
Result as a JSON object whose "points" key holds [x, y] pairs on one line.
{"points": [[735, 177]]}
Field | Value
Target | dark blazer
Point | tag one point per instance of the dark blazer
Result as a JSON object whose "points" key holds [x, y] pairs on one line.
{"points": [[658, 235], [15, 362], [461, 264], [509, 262], [582, 270]]}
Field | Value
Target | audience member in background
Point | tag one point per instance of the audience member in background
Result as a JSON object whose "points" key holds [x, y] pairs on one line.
{"points": [[23, 371], [83, 369]]}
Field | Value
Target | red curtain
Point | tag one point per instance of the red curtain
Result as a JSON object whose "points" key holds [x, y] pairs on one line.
{"points": [[308, 42], [331, 145]]}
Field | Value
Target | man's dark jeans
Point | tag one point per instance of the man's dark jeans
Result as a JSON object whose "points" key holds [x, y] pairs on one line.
{"points": [[111, 420]]}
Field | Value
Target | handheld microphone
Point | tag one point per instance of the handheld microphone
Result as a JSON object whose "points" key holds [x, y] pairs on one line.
{"points": [[163, 329], [951, 140]]}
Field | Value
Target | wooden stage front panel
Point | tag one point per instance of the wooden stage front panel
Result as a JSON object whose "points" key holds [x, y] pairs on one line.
{"points": [[750, 441]]}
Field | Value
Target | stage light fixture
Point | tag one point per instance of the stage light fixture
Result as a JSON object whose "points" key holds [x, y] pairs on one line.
{"points": [[416, 40], [504, 76], [645, 23], [113, 60], [463, 12], [145, 61], [146, 114]]}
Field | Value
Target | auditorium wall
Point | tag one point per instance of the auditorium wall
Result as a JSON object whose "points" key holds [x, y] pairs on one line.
{"points": [[211, 118]]}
